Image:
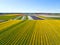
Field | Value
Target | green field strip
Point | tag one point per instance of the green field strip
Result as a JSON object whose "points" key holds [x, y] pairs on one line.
{"points": [[7, 17], [23, 18], [15, 18], [33, 40], [14, 36], [25, 40], [19, 36], [22, 40], [20, 18], [25, 35], [43, 17], [31, 31], [50, 18], [35, 35], [55, 18], [9, 31], [26, 17]]}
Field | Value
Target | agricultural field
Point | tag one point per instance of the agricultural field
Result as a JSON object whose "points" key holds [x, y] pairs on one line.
{"points": [[20, 29]]}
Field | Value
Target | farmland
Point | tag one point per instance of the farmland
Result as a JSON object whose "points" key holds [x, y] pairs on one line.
{"points": [[29, 30]]}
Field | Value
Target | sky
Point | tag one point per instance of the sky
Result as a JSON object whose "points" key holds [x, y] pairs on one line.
{"points": [[30, 6]]}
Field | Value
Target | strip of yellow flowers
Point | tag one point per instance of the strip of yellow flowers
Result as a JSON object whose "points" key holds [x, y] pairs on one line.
{"points": [[8, 23]]}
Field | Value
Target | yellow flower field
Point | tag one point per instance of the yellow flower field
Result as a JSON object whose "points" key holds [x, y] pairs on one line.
{"points": [[30, 32]]}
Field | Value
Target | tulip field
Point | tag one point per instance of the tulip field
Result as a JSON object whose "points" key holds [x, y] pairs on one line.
{"points": [[29, 30]]}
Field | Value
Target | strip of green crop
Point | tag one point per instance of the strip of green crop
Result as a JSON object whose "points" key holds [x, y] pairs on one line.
{"points": [[20, 18], [25, 37], [7, 31], [26, 17], [7, 17], [55, 18], [18, 33]]}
